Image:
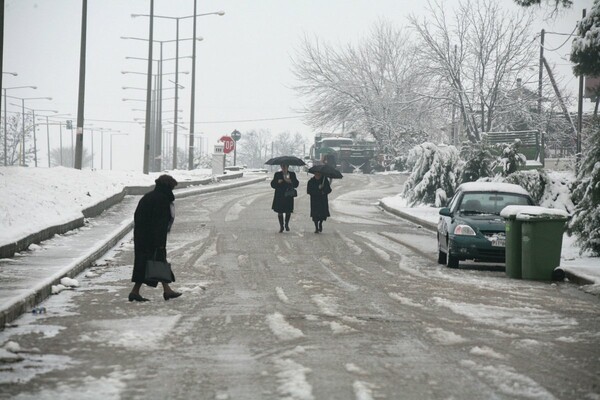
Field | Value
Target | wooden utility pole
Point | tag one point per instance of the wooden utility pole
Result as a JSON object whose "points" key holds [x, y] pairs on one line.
{"points": [[579, 117]]}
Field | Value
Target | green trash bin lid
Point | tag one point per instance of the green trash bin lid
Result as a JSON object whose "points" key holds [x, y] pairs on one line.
{"points": [[535, 213], [510, 212]]}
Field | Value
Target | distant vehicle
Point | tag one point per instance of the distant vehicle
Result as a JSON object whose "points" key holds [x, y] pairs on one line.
{"points": [[344, 153], [471, 228]]}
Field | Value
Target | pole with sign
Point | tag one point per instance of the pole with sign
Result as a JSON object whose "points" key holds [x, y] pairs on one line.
{"points": [[235, 135]]}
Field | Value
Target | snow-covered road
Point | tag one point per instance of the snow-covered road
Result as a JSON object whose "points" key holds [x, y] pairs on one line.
{"points": [[361, 311]]}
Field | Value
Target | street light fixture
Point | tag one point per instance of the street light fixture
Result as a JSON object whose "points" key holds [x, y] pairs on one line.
{"points": [[5, 118], [152, 16]]}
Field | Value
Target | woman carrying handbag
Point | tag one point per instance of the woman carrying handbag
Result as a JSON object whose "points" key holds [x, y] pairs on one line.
{"points": [[285, 183], [153, 218]]}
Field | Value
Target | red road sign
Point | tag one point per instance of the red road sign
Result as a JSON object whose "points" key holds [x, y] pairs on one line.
{"points": [[228, 144]]}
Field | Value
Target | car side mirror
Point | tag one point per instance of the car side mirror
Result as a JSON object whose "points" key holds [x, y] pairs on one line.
{"points": [[445, 211]]}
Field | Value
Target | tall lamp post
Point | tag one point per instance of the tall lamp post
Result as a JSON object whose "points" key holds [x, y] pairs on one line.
{"points": [[5, 117], [191, 143], [176, 41]]}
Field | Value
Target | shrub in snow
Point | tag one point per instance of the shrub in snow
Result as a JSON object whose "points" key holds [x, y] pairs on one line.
{"points": [[434, 168], [586, 194], [534, 181], [479, 162], [511, 160]]}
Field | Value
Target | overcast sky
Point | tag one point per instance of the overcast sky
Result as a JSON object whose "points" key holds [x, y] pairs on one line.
{"points": [[244, 79]]}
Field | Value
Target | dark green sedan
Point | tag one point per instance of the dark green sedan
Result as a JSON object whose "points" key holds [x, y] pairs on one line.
{"points": [[471, 228]]}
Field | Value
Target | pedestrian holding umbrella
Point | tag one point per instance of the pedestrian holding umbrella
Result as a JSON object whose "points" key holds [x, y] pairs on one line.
{"points": [[326, 170], [287, 160], [285, 183], [318, 188]]}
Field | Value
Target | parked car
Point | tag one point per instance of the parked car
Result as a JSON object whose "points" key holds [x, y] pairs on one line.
{"points": [[471, 228]]}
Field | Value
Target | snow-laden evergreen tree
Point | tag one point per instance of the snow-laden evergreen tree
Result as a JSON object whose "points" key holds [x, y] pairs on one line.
{"points": [[585, 51], [479, 162], [586, 195], [511, 160], [434, 174]]}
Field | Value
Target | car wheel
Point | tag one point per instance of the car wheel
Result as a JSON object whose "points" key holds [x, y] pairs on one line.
{"points": [[451, 261], [441, 254]]}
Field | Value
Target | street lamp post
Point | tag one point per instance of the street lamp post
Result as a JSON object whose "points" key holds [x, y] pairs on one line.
{"points": [[159, 103], [5, 118], [191, 140]]}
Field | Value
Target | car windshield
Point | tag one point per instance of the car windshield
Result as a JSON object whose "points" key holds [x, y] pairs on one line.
{"points": [[490, 203]]}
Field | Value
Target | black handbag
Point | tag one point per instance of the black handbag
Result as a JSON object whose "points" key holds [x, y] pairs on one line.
{"points": [[290, 192], [159, 271]]}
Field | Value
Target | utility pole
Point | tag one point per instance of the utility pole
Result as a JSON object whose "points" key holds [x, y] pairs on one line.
{"points": [[193, 98], [579, 117], [539, 105], [148, 94], [80, 106]]}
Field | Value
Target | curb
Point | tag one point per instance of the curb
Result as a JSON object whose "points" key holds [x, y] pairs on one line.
{"points": [[24, 303], [425, 224]]}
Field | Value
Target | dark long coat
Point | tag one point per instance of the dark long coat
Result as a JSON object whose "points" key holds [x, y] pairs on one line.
{"points": [[151, 223], [282, 204], [319, 203]]}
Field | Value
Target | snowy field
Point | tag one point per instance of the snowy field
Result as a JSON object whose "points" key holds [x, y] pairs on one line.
{"points": [[37, 198]]}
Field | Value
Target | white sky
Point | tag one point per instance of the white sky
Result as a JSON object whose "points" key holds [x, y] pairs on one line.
{"points": [[243, 64]]}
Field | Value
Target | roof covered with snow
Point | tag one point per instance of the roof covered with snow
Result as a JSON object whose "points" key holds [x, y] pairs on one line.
{"points": [[492, 187]]}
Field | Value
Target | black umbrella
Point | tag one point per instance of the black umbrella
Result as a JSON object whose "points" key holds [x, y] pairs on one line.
{"points": [[326, 170], [287, 160]]}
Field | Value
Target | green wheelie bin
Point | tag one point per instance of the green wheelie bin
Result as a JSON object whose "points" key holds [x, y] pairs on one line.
{"points": [[541, 241], [513, 240]]}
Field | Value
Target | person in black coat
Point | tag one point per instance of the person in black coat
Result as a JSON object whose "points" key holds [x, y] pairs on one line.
{"points": [[153, 218], [318, 188], [282, 182]]}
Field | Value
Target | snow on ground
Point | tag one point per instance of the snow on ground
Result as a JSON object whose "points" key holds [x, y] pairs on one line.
{"points": [[37, 198]]}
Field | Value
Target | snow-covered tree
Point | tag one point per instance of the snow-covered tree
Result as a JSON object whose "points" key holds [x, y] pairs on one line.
{"points": [[479, 162], [287, 144], [68, 157], [14, 139], [557, 3], [585, 51], [477, 56], [254, 148], [434, 174], [370, 88], [511, 159], [586, 195]]}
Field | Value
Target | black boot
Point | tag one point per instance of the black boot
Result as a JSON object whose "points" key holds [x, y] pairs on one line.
{"points": [[316, 226], [287, 221], [320, 226], [280, 217]]}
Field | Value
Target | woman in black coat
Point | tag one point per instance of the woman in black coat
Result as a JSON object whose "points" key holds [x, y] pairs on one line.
{"points": [[152, 221], [318, 188], [282, 182]]}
